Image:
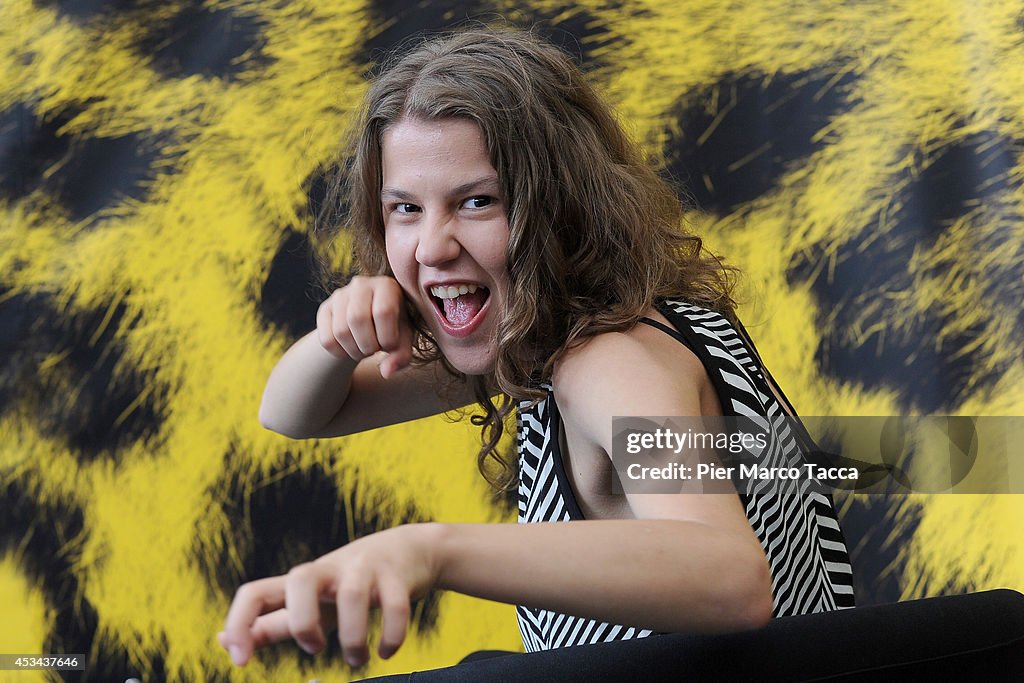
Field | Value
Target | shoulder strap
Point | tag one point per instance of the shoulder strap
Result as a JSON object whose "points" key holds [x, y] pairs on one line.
{"points": [[668, 330], [810, 446], [686, 334], [727, 393]]}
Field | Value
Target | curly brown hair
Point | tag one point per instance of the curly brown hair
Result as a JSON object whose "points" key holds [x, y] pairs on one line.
{"points": [[595, 234]]}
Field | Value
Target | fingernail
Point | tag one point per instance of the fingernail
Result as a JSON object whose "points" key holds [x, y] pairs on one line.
{"points": [[352, 660], [236, 655]]}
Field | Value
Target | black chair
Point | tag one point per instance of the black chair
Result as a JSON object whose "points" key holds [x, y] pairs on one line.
{"points": [[974, 637]]}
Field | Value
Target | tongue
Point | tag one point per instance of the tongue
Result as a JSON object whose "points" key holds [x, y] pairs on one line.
{"points": [[464, 308]]}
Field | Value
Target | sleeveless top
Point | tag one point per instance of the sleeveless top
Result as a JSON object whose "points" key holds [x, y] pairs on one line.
{"points": [[800, 534]]}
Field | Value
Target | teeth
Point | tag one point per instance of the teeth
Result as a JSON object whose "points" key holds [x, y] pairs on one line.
{"points": [[442, 292]]}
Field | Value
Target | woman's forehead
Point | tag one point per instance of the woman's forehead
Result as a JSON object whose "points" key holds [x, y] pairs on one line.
{"points": [[417, 151], [435, 130]]}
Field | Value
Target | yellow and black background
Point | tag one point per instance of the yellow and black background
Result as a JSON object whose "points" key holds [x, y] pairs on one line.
{"points": [[861, 162]]}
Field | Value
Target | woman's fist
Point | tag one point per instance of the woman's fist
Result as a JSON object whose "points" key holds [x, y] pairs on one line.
{"points": [[364, 317]]}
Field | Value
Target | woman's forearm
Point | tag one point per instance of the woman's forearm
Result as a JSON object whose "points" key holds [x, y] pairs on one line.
{"points": [[666, 575], [306, 389], [661, 574]]}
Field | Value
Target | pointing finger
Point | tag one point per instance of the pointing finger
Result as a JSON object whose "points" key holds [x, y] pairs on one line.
{"points": [[251, 600]]}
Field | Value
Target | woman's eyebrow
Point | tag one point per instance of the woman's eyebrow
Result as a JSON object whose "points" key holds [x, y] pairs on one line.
{"points": [[489, 183], [486, 183], [394, 193]]}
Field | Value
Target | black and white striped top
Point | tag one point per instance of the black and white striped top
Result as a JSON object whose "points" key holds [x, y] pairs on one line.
{"points": [[806, 552]]}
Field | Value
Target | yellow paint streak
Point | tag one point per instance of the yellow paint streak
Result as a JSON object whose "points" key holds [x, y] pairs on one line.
{"points": [[928, 75], [25, 619], [189, 264], [984, 557]]}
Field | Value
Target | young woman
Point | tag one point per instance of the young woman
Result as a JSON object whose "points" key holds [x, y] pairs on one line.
{"points": [[511, 238]]}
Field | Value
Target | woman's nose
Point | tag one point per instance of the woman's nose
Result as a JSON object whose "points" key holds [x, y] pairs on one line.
{"points": [[437, 244]]}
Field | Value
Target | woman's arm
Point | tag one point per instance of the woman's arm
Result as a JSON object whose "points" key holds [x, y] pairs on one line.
{"points": [[689, 562], [666, 575], [661, 574], [353, 372]]}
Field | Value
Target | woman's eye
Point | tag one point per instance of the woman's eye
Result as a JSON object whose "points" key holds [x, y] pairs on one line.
{"points": [[478, 202], [405, 207]]}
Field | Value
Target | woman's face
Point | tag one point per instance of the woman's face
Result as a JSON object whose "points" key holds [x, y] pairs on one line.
{"points": [[446, 233]]}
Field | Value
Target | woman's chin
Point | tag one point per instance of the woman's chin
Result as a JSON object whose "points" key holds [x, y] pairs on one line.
{"points": [[469, 362], [470, 355]]}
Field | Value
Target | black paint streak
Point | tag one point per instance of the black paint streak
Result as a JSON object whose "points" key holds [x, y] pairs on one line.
{"points": [[963, 175], [99, 172], [754, 129], [47, 538], [869, 526], [575, 30], [402, 21], [290, 295], [326, 212], [83, 174], [182, 38], [292, 516], [199, 40], [932, 379], [318, 186], [88, 10], [29, 145], [86, 395], [928, 375]]}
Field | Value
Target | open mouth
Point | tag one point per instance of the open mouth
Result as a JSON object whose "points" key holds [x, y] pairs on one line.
{"points": [[459, 306]]}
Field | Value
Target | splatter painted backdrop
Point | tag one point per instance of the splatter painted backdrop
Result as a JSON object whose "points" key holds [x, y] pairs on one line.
{"points": [[862, 162]]}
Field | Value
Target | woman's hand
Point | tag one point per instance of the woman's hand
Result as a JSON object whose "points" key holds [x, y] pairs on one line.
{"points": [[364, 317], [386, 570]]}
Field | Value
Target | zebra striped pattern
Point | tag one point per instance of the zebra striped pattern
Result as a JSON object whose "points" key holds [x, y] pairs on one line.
{"points": [[800, 533]]}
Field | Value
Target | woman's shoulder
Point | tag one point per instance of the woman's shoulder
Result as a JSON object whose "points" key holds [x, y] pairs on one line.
{"points": [[636, 364]]}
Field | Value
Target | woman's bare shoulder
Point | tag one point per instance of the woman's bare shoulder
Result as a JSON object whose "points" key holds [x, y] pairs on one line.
{"points": [[640, 371], [640, 351]]}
